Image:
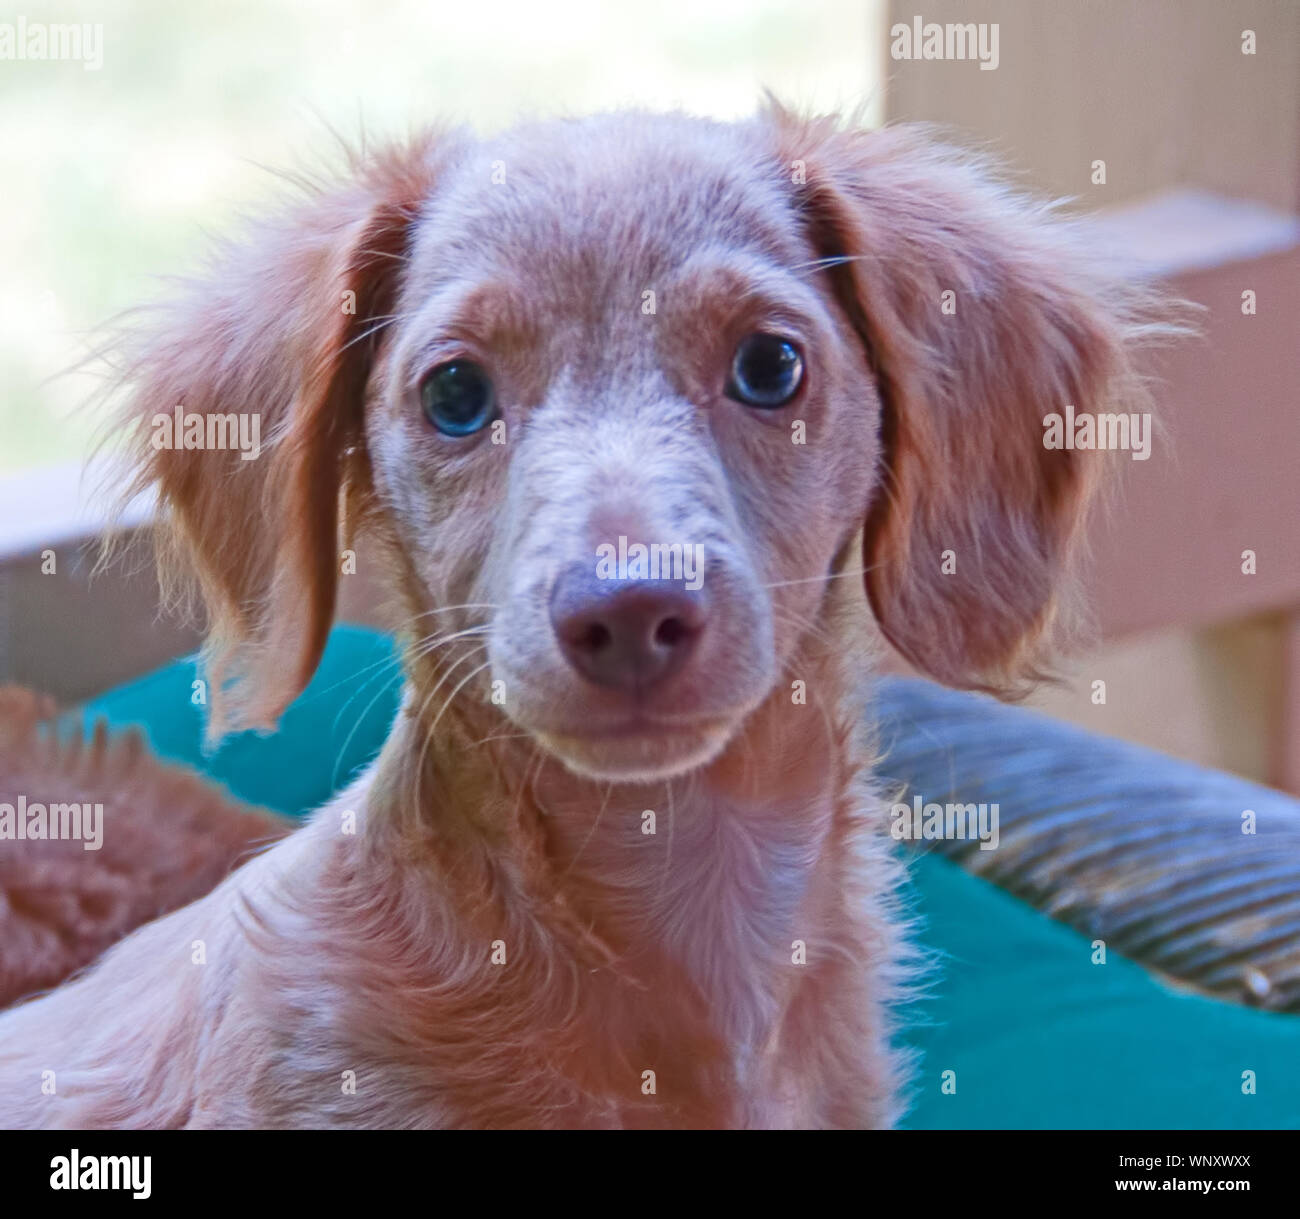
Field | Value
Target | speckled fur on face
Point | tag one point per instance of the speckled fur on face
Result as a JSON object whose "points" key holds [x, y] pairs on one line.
{"points": [[605, 284]]}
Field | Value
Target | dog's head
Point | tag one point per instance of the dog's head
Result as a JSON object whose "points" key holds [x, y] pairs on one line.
{"points": [[621, 396]]}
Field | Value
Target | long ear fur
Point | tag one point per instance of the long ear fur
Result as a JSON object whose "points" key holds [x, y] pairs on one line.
{"points": [[283, 328], [1037, 326]]}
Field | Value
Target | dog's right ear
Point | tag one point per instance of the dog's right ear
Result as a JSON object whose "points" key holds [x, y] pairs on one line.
{"points": [[272, 349]]}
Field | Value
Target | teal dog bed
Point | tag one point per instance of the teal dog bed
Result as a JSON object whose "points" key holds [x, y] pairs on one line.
{"points": [[1016, 1025]]}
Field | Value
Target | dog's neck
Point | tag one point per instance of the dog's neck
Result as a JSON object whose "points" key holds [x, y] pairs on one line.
{"points": [[713, 882]]}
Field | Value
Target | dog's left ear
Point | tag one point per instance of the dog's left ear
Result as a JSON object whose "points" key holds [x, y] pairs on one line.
{"points": [[980, 317]]}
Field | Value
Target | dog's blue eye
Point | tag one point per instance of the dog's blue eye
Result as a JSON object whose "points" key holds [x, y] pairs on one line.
{"points": [[458, 398], [766, 372]]}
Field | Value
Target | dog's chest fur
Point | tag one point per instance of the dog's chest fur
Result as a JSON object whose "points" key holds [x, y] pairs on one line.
{"points": [[730, 969], [727, 969]]}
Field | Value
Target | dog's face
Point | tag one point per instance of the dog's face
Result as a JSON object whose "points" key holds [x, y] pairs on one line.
{"points": [[619, 394], [609, 338]]}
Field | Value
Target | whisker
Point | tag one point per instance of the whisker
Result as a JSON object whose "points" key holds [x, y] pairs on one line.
{"points": [[446, 609], [473, 673], [419, 761], [442, 680], [802, 624], [428, 736], [395, 661], [825, 264], [501, 736], [384, 254], [837, 575], [366, 334], [342, 752], [668, 855], [604, 804], [426, 647]]}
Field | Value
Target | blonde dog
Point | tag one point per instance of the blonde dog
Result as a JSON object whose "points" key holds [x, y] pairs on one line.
{"points": [[629, 410]]}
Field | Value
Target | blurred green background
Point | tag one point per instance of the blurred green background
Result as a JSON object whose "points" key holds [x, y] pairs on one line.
{"points": [[112, 177]]}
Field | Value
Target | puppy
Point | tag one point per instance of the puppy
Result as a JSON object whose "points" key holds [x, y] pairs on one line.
{"points": [[657, 428]]}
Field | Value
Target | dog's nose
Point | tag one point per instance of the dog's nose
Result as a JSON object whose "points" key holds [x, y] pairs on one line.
{"points": [[625, 634]]}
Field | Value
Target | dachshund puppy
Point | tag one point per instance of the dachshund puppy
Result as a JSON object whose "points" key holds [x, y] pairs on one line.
{"points": [[658, 429]]}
